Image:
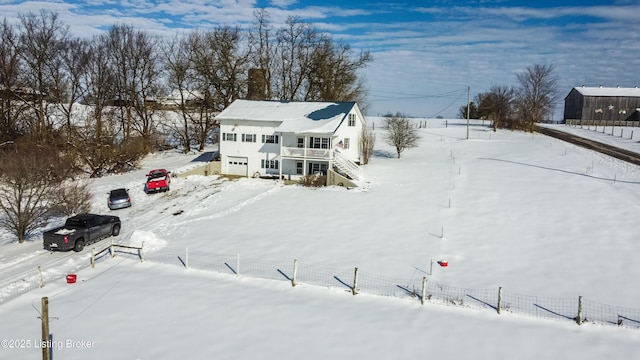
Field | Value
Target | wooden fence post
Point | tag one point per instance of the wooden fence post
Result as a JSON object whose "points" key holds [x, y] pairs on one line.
{"points": [[142, 252], [424, 289], [111, 249], [579, 317], [46, 343], [354, 290], [186, 258], [499, 299], [295, 272], [238, 264], [41, 277], [93, 258]]}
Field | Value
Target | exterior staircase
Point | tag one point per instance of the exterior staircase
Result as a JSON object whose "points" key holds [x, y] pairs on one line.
{"points": [[346, 166]]}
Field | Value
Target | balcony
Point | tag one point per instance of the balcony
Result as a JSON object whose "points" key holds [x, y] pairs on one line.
{"points": [[295, 152]]}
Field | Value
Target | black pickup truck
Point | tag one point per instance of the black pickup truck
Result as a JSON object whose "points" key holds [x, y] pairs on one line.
{"points": [[81, 230]]}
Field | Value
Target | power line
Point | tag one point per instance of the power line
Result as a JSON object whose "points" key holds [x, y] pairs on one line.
{"points": [[414, 96]]}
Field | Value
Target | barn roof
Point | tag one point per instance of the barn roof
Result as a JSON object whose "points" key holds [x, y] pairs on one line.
{"points": [[316, 117], [608, 91]]}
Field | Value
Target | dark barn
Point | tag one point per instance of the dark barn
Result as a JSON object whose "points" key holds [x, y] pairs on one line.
{"points": [[602, 106]]}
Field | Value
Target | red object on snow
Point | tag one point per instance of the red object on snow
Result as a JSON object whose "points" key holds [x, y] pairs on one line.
{"points": [[157, 180], [443, 263], [71, 278]]}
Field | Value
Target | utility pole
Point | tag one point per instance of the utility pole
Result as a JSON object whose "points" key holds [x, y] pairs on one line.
{"points": [[468, 110], [46, 350]]}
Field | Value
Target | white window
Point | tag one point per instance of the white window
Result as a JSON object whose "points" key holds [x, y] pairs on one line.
{"points": [[346, 143], [269, 164], [248, 137], [270, 139], [229, 136], [319, 143], [352, 119], [300, 142], [299, 168], [315, 168]]}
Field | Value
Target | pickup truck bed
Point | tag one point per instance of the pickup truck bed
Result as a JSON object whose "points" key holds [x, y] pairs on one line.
{"points": [[81, 230], [157, 181]]}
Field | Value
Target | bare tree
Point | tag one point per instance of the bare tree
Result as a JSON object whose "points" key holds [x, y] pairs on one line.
{"points": [[472, 111], [303, 64], [401, 134], [10, 69], [70, 79], [496, 105], [367, 142], [135, 66], [71, 197], [536, 95], [28, 175], [180, 77], [296, 44], [221, 64], [334, 73], [41, 39], [263, 52]]}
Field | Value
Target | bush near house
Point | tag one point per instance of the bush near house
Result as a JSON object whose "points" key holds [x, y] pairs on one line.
{"points": [[314, 180]]}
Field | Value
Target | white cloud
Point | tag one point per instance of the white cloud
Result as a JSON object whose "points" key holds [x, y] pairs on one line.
{"points": [[413, 48]]}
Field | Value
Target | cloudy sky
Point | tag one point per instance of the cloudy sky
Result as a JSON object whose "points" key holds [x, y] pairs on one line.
{"points": [[426, 54]]}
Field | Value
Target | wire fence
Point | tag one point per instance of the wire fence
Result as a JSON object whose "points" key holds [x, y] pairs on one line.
{"points": [[576, 309], [356, 281]]}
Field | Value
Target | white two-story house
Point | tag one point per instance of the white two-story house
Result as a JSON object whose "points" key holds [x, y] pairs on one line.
{"points": [[291, 139]]}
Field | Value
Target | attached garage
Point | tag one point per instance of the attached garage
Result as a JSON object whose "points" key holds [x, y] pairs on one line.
{"points": [[237, 165]]}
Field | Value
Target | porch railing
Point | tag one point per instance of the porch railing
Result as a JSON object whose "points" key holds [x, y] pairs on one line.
{"points": [[306, 153], [347, 166]]}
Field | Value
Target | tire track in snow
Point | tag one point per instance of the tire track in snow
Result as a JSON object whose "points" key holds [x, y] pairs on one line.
{"points": [[234, 208]]}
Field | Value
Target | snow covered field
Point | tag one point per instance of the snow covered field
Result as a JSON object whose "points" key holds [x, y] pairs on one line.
{"points": [[520, 211]]}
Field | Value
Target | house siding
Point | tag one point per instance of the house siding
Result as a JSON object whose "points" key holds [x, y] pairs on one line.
{"points": [[254, 151], [286, 153]]}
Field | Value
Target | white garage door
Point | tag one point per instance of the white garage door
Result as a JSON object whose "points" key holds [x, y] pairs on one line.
{"points": [[237, 165]]}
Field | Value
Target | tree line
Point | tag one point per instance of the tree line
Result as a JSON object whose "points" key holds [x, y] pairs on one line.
{"points": [[122, 77], [532, 100]]}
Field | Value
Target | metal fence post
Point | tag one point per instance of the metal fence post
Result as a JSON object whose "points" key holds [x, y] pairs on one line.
{"points": [[499, 299], [424, 289]]}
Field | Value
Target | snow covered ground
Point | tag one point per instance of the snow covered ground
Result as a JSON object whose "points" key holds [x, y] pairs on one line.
{"points": [[524, 212]]}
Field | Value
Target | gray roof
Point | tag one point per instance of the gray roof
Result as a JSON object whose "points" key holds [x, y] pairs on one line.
{"points": [[608, 91], [294, 116]]}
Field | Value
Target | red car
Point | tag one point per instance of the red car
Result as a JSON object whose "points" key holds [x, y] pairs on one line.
{"points": [[157, 180]]}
